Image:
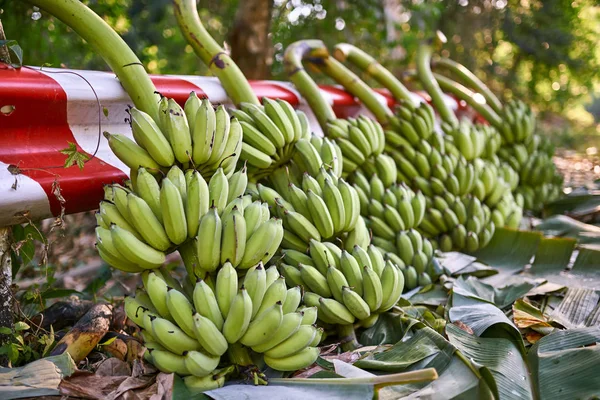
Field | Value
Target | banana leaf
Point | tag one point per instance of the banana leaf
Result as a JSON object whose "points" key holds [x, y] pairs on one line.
{"points": [[509, 250], [431, 295], [565, 364], [484, 319], [501, 356], [575, 308], [526, 316], [552, 256], [563, 226], [458, 377], [292, 391], [389, 329], [424, 343], [501, 297], [575, 205]]}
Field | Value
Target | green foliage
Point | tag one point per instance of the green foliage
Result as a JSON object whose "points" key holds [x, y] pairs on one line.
{"points": [[23, 249], [15, 51], [24, 345], [74, 156], [541, 51]]}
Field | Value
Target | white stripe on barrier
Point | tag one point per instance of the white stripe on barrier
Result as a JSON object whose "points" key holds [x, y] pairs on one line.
{"points": [[83, 108], [20, 195], [209, 85]]}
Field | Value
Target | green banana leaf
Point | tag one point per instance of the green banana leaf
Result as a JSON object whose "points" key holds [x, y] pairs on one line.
{"points": [[575, 205], [389, 329], [552, 256], [293, 391], [501, 356], [565, 364], [431, 295], [576, 307], [501, 297], [484, 319], [424, 343], [509, 250], [563, 226], [458, 377]]}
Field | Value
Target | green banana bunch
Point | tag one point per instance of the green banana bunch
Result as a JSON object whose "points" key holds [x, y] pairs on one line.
{"points": [[195, 135], [270, 135], [518, 121], [311, 154], [413, 123], [190, 335], [537, 178], [344, 286], [396, 206], [206, 222], [466, 223], [321, 208], [467, 138], [362, 141]]}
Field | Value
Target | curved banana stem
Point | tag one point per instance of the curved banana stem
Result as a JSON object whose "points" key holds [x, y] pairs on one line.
{"points": [[430, 84], [370, 66], [463, 93], [106, 42], [315, 52], [218, 61], [239, 355], [469, 79], [348, 337], [295, 53], [356, 86]]}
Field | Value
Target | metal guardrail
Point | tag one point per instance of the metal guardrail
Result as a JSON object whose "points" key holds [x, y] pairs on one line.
{"points": [[43, 110]]}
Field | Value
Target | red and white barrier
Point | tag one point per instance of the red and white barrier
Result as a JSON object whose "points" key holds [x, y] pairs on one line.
{"points": [[42, 110]]}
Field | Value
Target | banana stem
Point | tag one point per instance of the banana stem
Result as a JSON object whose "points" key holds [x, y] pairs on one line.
{"points": [[356, 86], [463, 93], [348, 337], [295, 53], [402, 378], [187, 252], [239, 355], [370, 66], [470, 80], [106, 42], [214, 56], [424, 52]]}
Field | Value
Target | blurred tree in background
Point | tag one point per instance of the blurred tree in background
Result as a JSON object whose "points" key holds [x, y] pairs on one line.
{"points": [[545, 52]]}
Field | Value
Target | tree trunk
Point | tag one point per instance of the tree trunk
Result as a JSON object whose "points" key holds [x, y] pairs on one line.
{"points": [[4, 54], [249, 40]]}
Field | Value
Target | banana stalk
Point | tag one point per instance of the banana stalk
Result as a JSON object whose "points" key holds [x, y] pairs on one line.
{"points": [[294, 55], [347, 336], [367, 64], [428, 81], [106, 42], [470, 97], [316, 53], [469, 79], [214, 56]]}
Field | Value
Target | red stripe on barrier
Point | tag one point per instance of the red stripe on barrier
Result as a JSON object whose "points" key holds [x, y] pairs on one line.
{"points": [[273, 91], [176, 88], [388, 97], [35, 132]]}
